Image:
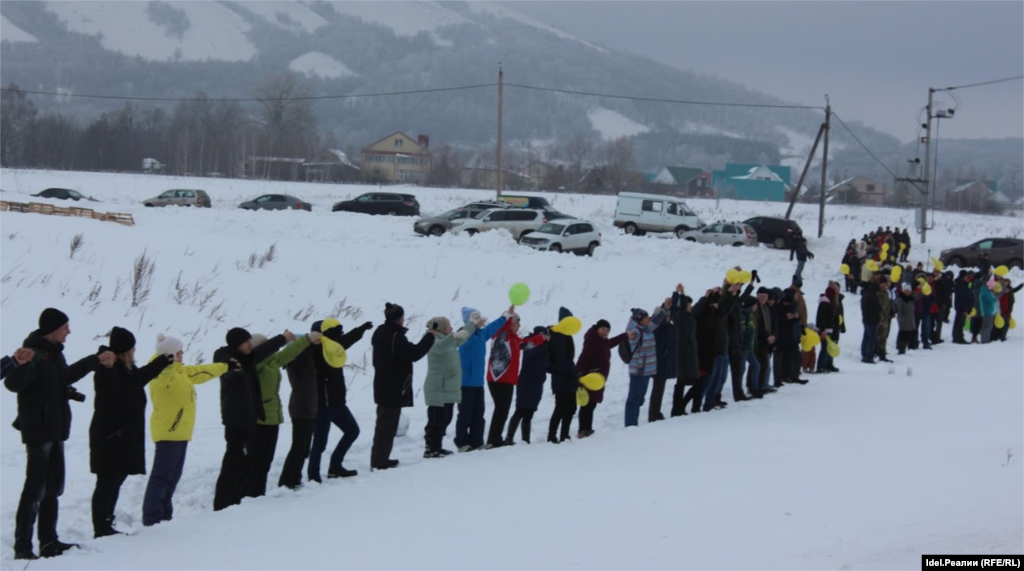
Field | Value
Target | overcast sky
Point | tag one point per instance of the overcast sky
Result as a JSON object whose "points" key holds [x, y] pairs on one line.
{"points": [[876, 60]]}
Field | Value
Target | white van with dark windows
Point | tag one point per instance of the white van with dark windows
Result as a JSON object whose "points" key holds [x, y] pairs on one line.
{"points": [[638, 213]]}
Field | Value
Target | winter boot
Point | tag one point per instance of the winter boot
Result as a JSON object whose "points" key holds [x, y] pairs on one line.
{"points": [[26, 555], [340, 472], [56, 548]]}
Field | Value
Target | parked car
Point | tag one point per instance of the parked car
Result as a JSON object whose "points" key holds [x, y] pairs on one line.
{"points": [[638, 213], [390, 203], [564, 235], [63, 194], [180, 197], [438, 225], [725, 234], [778, 232], [518, 221], [535, 202], [276, 202], [1001, 252]]}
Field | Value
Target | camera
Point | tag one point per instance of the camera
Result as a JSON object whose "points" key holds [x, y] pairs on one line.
{"points": [[74, 395]]}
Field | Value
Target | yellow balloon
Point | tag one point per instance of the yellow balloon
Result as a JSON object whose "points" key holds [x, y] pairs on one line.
{"points": [[844, 269], [897, 273], [926, 289], [872, 265], [1013, 323], [1000, 321], [1001, 271], [840, 320], [732, 276], [902, 246], [833, 347], [938, 264], [334, 353], [593, 381], [997, 287], [745, 277], [582, 397], [569, 326], [809, 340], [974, 311], [883, 256], [885, 247]]}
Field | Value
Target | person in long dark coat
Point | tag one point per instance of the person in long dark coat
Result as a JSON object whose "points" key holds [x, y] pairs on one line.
{"points": [[117, 435], [687, 367], [596, 357], [666, 348], [565, 380]]}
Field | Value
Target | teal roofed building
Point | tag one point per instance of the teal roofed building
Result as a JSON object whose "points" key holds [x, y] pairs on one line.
{"points": [[752, 182]]}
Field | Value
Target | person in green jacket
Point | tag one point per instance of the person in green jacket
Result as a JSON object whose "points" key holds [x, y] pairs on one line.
{"points": [[267, 429], [443, 387]]}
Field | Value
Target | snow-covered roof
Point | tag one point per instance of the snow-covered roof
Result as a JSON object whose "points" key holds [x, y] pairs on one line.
{"points": [[342, 157], [760, 173]]}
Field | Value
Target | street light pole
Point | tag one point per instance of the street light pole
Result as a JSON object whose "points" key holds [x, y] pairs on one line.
{"points": [[927, 167]]}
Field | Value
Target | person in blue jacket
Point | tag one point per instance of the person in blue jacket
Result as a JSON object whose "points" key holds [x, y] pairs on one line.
{"points": [[469, 425]]}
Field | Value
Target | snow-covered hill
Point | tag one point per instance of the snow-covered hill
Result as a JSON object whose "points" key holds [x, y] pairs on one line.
{"points": [[865, 469]]}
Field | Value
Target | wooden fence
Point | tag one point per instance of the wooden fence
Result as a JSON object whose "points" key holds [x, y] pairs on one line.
{"points": [[42, 208]]}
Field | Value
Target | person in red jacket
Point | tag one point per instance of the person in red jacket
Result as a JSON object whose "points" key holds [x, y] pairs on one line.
{"points": [[596, 357], [503, 373]]}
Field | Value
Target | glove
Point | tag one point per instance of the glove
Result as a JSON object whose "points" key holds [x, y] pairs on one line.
{"points": [[810, 256], [475, 317], [366, 326], [234, 365], [753, 274], [167, 359]]}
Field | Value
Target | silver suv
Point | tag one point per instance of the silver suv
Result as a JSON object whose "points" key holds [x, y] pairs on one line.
{"points": [[518, 221], [180, 197]]}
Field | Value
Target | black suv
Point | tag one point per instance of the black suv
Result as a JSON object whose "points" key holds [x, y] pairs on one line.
{"points": [[389, 203], [778, 232], [536, 202]]}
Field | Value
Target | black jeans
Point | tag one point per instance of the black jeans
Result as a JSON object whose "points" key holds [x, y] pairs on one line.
{"points": [[903, 339], [469, 424], [104, 501], [657, 395], [736, 370], [694, 393], [502, 394], [565, 409], [168, 463], [586, 422], [302, 438], [235, 467], [339, 415], [525, 416], [263, 456], [44, 483], [384, 435], [959, 321], [438, 420]]}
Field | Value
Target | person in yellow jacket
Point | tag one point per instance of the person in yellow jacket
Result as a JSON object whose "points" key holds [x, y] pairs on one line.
{"points": [[173, 395]]}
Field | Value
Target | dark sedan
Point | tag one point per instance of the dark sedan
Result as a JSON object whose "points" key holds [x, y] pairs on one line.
{"points": [[1001, 252], [63, 194], [389, 203], [276, 202]]}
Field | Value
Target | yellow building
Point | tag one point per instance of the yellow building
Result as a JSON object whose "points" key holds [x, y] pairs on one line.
{"points": [[397, 158]]}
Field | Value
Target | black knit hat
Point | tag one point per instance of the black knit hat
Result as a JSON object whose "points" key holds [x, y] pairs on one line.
{"points": [[316, 326], [639, 314], [121, 340], [51, 320], [602, 323], [393, 312], [763, 290], [236, 336]]}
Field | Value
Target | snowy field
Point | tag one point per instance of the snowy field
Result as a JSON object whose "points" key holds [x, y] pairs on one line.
{"points": [[865, 469]]}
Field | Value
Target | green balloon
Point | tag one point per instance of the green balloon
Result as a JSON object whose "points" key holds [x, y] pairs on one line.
{"points": [[519, 293]]}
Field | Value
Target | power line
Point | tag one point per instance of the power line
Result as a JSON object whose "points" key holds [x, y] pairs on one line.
{"points": [[253, 99], [661, 100], [979, 84], [868, 151]]}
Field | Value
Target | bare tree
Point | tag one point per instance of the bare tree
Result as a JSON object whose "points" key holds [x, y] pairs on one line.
{"points": [[285, 113], [620, 165], [578, 152]]}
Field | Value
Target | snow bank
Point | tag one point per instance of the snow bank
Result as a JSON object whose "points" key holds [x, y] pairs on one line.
{"points": [[319, 64], [907, 460]]}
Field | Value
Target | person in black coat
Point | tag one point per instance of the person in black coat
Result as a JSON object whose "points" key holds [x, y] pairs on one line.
{"points": [[44, 386], [666, 348], [565, 380], [963, 303], [303, 405], [944, 288], [241, 404], [332, 408], [801, 253], [393, 356], [736, 365], [871, 316], [117, 435], [530, 389], [687, 366]]}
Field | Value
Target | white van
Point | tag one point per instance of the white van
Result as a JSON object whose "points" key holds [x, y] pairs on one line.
{"points": [[637, 213]]}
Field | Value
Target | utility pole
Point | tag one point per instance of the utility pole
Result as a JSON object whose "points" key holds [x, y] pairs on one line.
{"points": [[824, 168], [807, 166], [927, 167], [501, 85]]}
